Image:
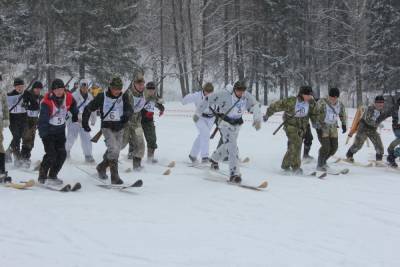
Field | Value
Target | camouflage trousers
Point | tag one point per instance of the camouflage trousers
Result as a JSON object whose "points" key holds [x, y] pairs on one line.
{"points": [[113, 142], [229, 147], [362, 134], [28, 138], [292, 158], [133, 134], [149, 130], [395, 142], [328, 137], [2, 151]]}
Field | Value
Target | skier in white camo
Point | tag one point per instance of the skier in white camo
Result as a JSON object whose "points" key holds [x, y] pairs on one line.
{"points": [[204, 123], [229, 109], [82, 98]]}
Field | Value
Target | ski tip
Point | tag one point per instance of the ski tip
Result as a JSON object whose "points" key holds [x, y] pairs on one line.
{"points": [[264, 184], [167, 172], [66, 188], [246, 160], [29, 183], [171, 164]]}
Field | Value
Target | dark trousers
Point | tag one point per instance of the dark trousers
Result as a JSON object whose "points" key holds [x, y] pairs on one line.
{"points": [[28, 138], [17, 127], [55, 155]]}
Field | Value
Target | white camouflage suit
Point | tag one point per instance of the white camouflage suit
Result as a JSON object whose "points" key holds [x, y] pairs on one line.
{"points": [[204, 124], [75, 128], [223, 101]]}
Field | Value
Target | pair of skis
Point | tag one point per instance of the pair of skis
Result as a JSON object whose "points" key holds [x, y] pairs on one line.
{"points": [[20, 186], [221, 176], [61, 188]]}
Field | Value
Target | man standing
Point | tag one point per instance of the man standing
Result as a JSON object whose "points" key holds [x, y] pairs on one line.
{"points": [[231, 107], [32, 111], [82, 99], [298, 110], [133, 133], [51, 125], [330, 110], [4, 123], [115, 111], [204, 123], [149, 129]]}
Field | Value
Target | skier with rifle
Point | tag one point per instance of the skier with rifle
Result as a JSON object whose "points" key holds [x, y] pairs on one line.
{"points": [[298, 110], [229, 107], [115, 111], [204, 123], [53, 111]]}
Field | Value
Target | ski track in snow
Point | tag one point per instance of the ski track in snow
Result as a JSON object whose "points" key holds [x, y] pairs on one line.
{"points": [[183, 220]]}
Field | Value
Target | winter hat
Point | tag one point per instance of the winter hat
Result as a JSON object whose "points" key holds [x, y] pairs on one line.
{"points": [[84, 82], [37, 84], [18, 81], [208, 87], [379, 99], [116, 82], [240, 86], [139, 78], [151, 86], [57, 83], [334, 92], [305, 90]]}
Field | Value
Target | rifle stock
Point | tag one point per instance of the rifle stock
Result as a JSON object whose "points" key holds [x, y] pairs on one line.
{"points": [[96, 137]]}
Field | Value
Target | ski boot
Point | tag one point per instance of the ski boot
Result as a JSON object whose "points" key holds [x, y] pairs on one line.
{"points": [[102, 169], [89, 159], [235, 179], [54, 181], [115, 179], [137, 164], [205, 160], [4, 178], [150, 156], [349, 156], [214, 165], [391, 159], [192, 159], [298, 171]]}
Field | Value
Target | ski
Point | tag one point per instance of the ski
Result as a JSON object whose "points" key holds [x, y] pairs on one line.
{"points": [[22, 185], [354, 163], [62, 188], [338, 172], [318, 174], [137, 183], [76, 187]]}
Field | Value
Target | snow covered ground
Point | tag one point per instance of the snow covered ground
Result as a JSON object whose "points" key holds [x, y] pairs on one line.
{"points": [[184, 220]]}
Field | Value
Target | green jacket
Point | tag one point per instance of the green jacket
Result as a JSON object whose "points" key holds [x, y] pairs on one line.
{"points": [[288, 106], [4, 106]]}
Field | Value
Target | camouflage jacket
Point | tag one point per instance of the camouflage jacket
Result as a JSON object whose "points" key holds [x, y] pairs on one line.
{"points": [[290, 106], [372, 117], [138, 101], [328, 115]]}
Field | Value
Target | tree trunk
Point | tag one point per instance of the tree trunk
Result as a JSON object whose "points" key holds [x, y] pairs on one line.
{"points": [[183, 46], [226, 44], [193, 64], [161, 50], [238, 42], [177, 50], [82, 42], [50, 42], [203, 40]]}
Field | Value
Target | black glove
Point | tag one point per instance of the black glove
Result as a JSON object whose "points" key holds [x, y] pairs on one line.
{"points": [[75, 118], [124, 119], [344, 128], [396, 126], [265, 117], [86, 128]]}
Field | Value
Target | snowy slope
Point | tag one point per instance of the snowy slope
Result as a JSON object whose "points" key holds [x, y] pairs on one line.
{"points": [[184, 220]]}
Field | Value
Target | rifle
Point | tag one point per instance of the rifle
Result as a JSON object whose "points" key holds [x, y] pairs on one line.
{"points": [[20, 98], [70, 79], [220, 117], [97, 136], [283, 123]]}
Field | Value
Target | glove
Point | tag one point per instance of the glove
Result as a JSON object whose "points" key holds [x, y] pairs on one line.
{"points": [[124, 119], [196, 118], [265, 118], [149, 115], [6, 123], [86, 128], [257, 125], [396, 126], [344, 128], [161, 113], [74, 118]]}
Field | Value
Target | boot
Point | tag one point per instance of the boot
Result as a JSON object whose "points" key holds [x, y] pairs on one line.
{"points": [[115, 179], [205, 160], [306, 153], [192, 159], [321, 164], [235, 179], [391, 159], [8, 156], [298, 171], [26, 163], [89, 159], [379, 157], [349, 156], [150, 156], [102, 169], [54, 181], [130, 155], [2, 163], [42, 174], [137, 163], [214, 165]]}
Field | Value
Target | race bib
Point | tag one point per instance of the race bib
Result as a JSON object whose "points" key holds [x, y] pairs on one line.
{"points": [[59, 117], [301, 109], [239, 108], [330, 115], [33, 113]]}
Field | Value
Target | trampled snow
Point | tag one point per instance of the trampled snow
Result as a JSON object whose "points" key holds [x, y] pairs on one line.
{"points": [[184, 220]]}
